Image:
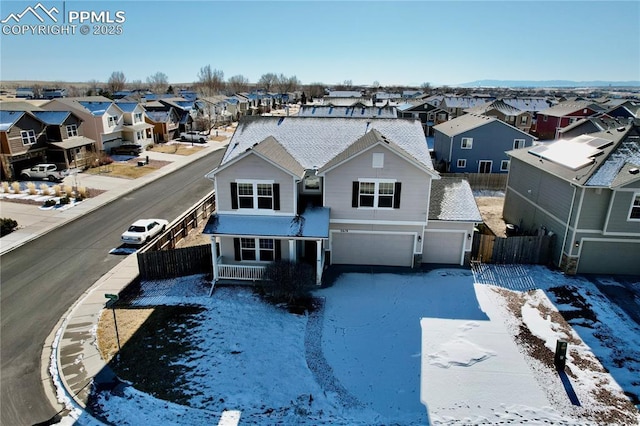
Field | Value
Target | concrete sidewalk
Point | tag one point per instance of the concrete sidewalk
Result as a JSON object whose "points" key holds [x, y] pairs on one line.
{"points": [[70, 355]]}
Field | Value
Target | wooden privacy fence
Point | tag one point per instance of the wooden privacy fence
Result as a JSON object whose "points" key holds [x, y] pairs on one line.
{"points": [[155, 265], [534, 249], [487, 181]]}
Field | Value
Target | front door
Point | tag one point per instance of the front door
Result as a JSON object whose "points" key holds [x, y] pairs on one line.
{"points": [[484, 166]]}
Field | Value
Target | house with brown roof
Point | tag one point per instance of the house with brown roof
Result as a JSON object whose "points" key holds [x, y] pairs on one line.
{"points": [[549, 121]]}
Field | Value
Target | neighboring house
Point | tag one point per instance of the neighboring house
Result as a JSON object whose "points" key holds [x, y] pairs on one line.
{"points": [[549, 121], [334, 191], [25, 93], [586, 192], [347, 112], [456, 105], [23, 141], [590, 125], [344, 94], [476, 144], [103, 119], [135, 129], [165, 124], [54, 93], [625, 110], [504, 111], [420, 110], [184, 109], [67, 144]]}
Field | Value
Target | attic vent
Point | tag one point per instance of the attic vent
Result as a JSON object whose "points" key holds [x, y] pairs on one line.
{"points": [[634, 171]]}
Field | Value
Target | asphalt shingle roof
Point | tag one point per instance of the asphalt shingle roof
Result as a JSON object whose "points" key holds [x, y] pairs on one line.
{"points": [[52, 117], [9, 118], [452, 200]]}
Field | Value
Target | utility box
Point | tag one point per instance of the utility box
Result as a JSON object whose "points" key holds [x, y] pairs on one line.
{"points": [[560, 360]]}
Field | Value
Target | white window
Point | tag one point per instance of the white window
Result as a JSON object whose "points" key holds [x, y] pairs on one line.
{"points": [[376, 193], [634, 212], [518, 143], [510, 118], [137, 117], [467, 143], [504, 165], [139, 135], [28, 137], [524, 119], [255, 195], [113, 120], [257, 249], [462, 163], [72, 130]]}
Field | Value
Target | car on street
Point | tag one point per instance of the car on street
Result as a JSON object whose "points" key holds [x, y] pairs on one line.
{"points": [[143, 230], [132, 149], [193, 137], [50, 172]]}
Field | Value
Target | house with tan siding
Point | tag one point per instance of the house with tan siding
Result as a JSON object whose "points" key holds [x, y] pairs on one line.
{"points": [[330, 191]]}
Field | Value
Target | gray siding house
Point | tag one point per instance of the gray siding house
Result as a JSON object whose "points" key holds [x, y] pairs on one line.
{"points": [[476, 144], [334, 191], [586, 191]]}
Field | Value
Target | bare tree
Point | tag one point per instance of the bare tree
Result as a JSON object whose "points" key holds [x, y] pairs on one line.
{"points": [[267, 81], [238, 83], [426, 87], [158, 82], [376, 84], [286, 84], [93, 87], [315, 90], [210, 82], [116, 82], [137, 85]]}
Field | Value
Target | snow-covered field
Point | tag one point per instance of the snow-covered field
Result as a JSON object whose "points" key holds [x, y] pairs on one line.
{"points": [[381, 343]]}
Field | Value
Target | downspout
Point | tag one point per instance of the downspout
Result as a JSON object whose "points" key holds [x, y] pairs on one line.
{"points": [[566, 232], [450, 154]]}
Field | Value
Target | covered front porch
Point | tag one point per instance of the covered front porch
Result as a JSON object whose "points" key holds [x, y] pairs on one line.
{"points": [[242, 246]]}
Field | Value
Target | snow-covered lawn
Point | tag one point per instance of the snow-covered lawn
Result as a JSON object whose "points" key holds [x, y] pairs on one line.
{"points": [[358, 359]]}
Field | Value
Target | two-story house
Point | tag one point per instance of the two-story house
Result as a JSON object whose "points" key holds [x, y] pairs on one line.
{"points": [[333, 191], [23, 141], [506, 112], [420, 110], [103, 119], [165, 123], [549, 121], [135, 129], [584, 190], [476, 144]]}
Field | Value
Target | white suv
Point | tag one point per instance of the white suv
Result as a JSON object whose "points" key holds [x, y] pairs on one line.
{"points": [[193, 137]]}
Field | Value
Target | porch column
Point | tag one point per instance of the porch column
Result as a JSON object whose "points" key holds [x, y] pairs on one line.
{"points": [[214, 258], [292, 250], [318, 262]]}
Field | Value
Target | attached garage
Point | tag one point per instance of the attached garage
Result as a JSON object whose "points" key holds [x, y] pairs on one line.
{"points": [[603, 257], [443, 247], [352, 248]]}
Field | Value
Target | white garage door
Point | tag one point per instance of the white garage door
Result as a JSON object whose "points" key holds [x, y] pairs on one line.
{"points": [[443, 247], [351, 248]]}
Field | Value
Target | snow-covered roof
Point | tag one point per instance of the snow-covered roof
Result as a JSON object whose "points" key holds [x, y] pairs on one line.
{"points": [[566, 108], [452, 200], [615, 170], [312, 223], [313, 142], [527, 104], [346, 111]]}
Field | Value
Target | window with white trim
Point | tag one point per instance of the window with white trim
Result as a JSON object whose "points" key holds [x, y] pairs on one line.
{"points": [[634, 212], [72, 130], [524, 119], [139, 135], [518, 143], [466, 143], [28, 137], [376, 193], [255, 195], [462, 163], [113, 120], [137, 117], [504, 166], [256, 249]]}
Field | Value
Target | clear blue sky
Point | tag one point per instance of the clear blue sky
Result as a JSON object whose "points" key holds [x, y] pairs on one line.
{"points": [[400, 42]]}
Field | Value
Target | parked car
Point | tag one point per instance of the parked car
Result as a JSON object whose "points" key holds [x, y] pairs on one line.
{"points": [[44, 171], [143, 230], [193, 137], [127, 149]]}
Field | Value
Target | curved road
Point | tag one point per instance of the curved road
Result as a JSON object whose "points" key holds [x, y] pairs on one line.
{"points": [[43, 278]]}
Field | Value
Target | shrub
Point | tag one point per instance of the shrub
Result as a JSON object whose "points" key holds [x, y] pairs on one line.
{"points": [[82, 191], [31, 188], [57, 190], [16, 187], [44, 189], [5, 187], [65, 200], [7, 226], [50, 203], [287, 282]]}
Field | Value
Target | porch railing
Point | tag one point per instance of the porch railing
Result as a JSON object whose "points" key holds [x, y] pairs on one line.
{"points": [[228, 271]]}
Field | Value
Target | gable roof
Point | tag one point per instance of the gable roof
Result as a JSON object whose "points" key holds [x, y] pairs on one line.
{"points": [[8, 119], [586, 165], [463, 101], [528, 104], [273, 150], [55, 118], [498, 105], [127, 106], [313, 142], [452, 200], [347, 111], [467, 122], [566, 108]]}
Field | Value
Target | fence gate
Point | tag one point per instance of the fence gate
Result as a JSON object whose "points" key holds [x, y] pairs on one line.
{"points": [[535, 249]]}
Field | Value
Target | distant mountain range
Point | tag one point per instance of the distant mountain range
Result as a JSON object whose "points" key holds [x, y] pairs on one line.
{"points": [[549, 83]]}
